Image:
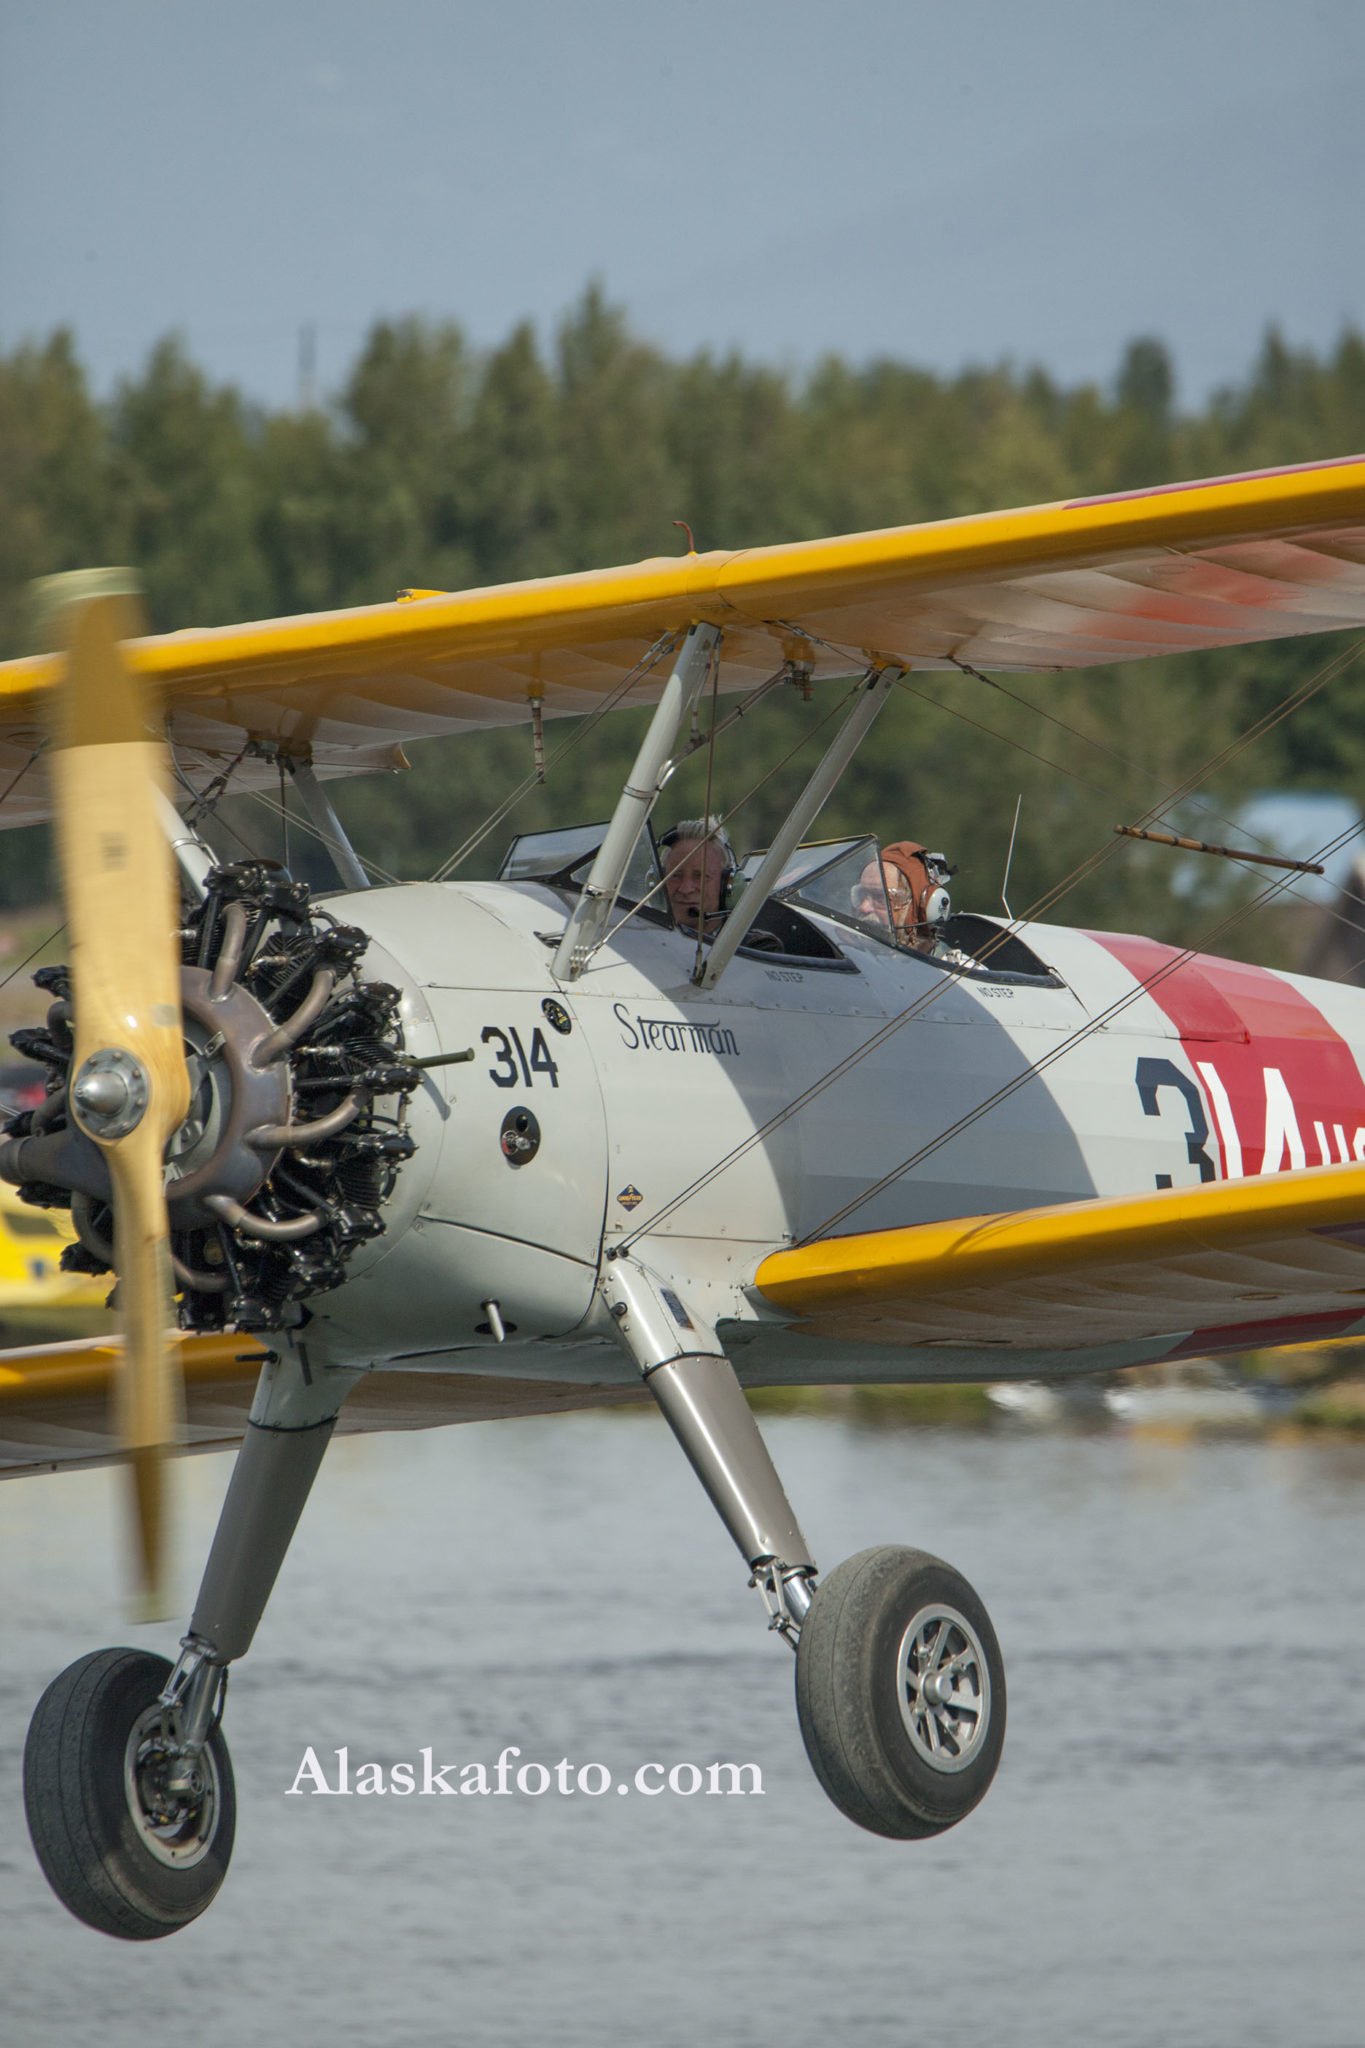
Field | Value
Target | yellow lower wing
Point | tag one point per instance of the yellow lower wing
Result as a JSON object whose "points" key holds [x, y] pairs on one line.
{"points": [[56, 1400], [1236, 1264], [1240, 1265]]}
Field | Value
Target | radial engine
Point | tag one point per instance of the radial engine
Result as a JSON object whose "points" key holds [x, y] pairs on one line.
{"points": [[297, 1126]]}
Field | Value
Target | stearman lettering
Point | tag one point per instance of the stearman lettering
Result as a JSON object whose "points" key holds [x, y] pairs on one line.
{"points": [[674, 1034]]}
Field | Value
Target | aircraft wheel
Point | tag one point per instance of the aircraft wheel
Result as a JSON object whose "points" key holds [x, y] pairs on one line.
{"points": [[119, 1853], [900, 1692]]}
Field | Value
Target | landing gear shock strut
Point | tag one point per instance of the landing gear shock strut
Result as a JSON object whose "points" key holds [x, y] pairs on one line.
{"points": [[297, 1121], [695, 1386], [900, 1687]]}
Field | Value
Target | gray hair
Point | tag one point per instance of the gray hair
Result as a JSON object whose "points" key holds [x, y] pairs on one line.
{"points": [[701, 828]]}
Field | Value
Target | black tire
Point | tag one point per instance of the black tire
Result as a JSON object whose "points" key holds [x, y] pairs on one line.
{"points": [[868, 1753], [90, 1829]]}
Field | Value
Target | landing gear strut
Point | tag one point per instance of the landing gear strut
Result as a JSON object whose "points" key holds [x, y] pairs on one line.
{"points": [[900, 1686], [127, 1780]]}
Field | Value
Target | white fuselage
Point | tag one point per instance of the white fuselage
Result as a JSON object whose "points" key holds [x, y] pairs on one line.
{"points": [[656, 1088]]}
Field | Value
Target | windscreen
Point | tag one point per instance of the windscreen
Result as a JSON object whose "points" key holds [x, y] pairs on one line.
{"points": [[565, 855], [840, 878], [535, 856]]}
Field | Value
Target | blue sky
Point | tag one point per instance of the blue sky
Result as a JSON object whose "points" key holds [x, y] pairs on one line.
{"points": [[1040, 182]]}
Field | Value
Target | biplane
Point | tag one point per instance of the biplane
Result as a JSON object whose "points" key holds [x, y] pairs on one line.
{"points": [[388, 1157]]}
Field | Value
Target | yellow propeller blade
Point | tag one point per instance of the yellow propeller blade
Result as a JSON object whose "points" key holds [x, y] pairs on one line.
{"points": [[129, 1082]]}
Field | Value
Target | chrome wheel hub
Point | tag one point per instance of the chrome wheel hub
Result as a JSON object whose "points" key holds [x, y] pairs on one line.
{"points": [[943, 1688], [177, 1827]]}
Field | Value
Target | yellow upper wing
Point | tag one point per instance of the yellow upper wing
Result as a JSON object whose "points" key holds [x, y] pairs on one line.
{"points": [[1227, 1266], [1057, 586]]}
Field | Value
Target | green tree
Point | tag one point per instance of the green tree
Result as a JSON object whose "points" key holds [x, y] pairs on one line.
{"points": [[185, 480], [514, 465], [56, 490], [302, 503], [403, 492], [442, 467], [1146, 397], [619, 490]]}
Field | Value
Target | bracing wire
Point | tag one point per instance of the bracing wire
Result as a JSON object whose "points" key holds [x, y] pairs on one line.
{"points": [[299, 823], [205, 804], [1149, 816], [28, 958], [728, 817], [1182, 790], [951, 976], [1088, 740], [665, 644], [52, 937], [1078, 1037], [1265, 724], [8, 791], [1193, 803], [1048, 900], [1009, 857]]}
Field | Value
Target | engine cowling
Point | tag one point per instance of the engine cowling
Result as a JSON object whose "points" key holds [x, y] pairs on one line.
{"points": [[297, 1125]]}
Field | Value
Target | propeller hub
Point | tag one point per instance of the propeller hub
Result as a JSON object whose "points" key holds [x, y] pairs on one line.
{"points": [[109, 1094]]}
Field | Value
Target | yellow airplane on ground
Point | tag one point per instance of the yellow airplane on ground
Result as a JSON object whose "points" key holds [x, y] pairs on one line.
{"points": [[401, 1156], [38, 1299]]}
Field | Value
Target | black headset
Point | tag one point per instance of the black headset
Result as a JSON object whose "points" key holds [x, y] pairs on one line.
{"points": [[699, 828]]}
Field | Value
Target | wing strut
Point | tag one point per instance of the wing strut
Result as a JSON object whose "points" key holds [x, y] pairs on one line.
{"points": [[327, 824], [653, 765], [877, 687], [195, 861]]}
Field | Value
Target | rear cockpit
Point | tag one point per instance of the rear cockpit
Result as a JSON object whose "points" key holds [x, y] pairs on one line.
{"points": [[844, 880]]}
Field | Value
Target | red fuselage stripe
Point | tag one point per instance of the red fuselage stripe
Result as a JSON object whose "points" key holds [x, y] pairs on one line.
{"points": [[1283, 1088]]}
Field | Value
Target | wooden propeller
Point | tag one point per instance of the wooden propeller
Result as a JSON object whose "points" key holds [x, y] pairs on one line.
{"points": [[129, 1086]]}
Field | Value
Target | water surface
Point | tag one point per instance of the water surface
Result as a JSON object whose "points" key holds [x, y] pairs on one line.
{"points": [[1173, 1853]]}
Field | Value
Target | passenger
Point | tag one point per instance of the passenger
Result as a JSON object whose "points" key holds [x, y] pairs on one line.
{"points": [[908, 883], [699, 865]]}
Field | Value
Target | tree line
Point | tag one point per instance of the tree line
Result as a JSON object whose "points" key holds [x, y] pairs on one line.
{"points": [[443, 466]]}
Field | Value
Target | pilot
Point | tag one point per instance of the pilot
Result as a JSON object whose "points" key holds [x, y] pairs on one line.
{"points": [[699, 866], [911, 881]]}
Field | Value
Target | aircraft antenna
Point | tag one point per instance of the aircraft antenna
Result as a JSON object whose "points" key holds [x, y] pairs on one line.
{"points": [[1009, 857]]}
